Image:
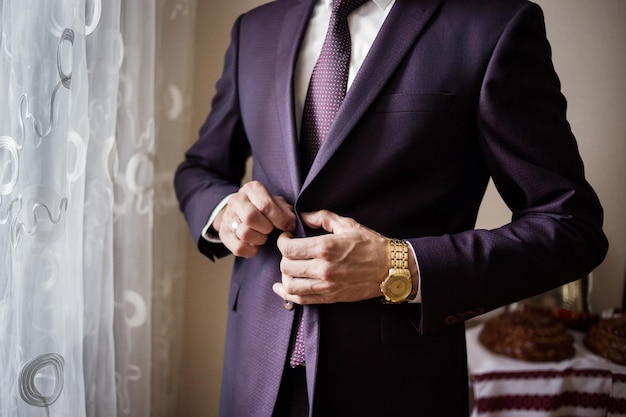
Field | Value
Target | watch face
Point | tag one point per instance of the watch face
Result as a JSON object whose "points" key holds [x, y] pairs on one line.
{"points": [[397, 287]]}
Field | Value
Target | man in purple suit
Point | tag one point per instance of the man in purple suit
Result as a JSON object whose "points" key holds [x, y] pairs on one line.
{"points": [[358, 264]]}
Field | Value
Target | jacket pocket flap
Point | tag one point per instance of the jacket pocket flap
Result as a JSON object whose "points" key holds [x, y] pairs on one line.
{"points": [[415, 102]]}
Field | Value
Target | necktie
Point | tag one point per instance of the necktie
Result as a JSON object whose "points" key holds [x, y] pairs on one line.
{"points": [[327, 90], [329, 80]]}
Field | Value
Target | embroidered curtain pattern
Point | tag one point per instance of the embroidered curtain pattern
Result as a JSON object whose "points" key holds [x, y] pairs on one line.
{"points": [[87, 214]]}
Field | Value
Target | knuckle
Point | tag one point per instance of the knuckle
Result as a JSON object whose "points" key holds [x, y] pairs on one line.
{"points": [[235, 200], [326, 251], [326, 272], [261, 240], [279, 223], [284, 246], [243, 250], [255, 189], [264, 205], [289, 287], [255, 185], [283, 266], [249, 186]]}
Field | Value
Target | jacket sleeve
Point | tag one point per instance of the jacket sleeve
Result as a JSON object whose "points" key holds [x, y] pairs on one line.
{"points": [[215, 165], [555, 235]]}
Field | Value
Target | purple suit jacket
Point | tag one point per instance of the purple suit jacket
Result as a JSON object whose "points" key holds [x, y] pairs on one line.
{"points": [[452, 93]]}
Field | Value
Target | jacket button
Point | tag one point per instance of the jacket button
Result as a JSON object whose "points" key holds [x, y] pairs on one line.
{"points": [[289, 305], [450, 320]]}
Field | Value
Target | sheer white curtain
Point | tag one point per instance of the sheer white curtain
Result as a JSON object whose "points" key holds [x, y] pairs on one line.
{"points": [[174, 57], [80, 277]]}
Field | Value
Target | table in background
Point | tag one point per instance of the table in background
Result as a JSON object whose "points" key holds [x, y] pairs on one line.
{"points": [[585, 385]]}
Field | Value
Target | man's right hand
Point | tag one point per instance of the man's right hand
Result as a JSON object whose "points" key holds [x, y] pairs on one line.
{"points": [[250, 216]]}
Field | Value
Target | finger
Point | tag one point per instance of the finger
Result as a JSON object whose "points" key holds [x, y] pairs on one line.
{"points": [[299, 257], [289, 213], [300, 248], [248, 235], [329, 221], [276, 210], [228, 234], [309, 269], [279, 290], [284, 242], [242, 208], [298, 289], [239, 248]]}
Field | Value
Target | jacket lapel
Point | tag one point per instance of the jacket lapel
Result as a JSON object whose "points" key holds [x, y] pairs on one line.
{"points": [[293, 29], [399, 32]]}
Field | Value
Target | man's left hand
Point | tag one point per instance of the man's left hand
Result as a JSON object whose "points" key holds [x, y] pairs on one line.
{"points": [[346, 265]]}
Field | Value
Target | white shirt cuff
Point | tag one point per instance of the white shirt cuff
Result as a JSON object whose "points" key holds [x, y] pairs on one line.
{"points": [[205, 231], [418, 297]]}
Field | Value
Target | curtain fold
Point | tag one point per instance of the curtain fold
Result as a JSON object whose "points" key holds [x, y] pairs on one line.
{"points": [[80, 277], [174, 57], [133, 209], [104, 48]]}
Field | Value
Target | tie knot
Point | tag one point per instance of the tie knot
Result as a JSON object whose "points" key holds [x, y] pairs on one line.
{"points": [[344, 7]]}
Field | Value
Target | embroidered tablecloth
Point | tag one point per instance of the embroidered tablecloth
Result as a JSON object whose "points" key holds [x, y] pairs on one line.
{"points": [[586, 385]]}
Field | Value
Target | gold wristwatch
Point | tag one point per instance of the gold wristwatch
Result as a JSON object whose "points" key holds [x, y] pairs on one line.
{"points": [[398, 285]]}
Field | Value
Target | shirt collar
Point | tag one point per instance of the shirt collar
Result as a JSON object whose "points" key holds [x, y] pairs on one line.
{"points": [[382, 4]]}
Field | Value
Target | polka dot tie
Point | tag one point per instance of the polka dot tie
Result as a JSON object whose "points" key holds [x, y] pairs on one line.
{"points": [[297, 356], [327, 89], [329, 80]]}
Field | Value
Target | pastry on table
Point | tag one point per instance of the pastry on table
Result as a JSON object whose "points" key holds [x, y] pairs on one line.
{"points": [[528, 335], [607, 338]]}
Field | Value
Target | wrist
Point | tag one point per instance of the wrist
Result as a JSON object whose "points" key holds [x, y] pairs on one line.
{"points": [[398, 285], [217, 222]]}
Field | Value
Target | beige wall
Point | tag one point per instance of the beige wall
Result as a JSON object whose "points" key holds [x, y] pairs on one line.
{"points": [[587, 38]]}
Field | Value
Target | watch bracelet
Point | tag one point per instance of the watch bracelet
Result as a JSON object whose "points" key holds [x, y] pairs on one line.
{"points": [[398, 254]]}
